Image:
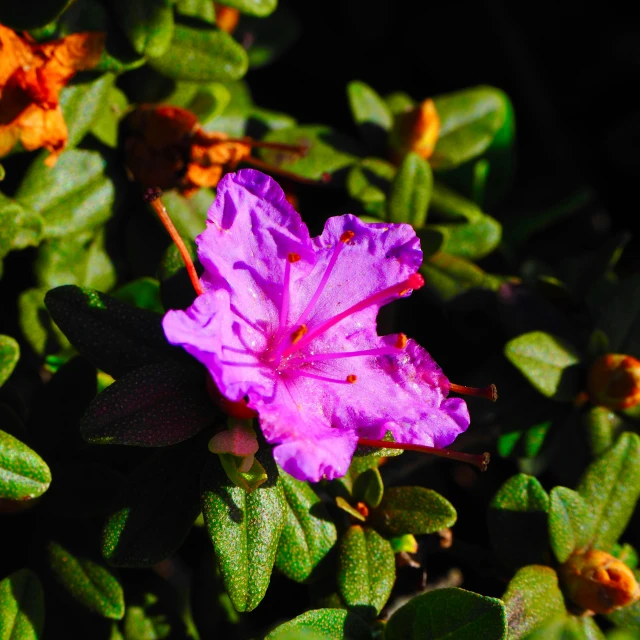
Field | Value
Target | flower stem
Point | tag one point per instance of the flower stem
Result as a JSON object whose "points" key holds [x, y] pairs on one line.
{"points": [[478, 460], [152, 196]]}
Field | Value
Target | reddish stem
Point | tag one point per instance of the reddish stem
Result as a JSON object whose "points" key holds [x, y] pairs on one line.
{"points": [[490, 392]]}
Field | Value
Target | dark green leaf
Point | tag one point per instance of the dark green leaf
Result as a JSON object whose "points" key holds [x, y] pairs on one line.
{"points": [[570, 522], [88, 582], [9, 356], [176, 290], [432, 240], [366, 570], [611, 487], [245, 529], [602, 427], [399, 102], [156, 507], [259, 8], [566, 627], [113, 335], [411, 191], [153, 406], [147, 23], [549, 363], [323, 624], [24, 475], [202, 55], [21, 606], [469, 122], [448, 613], [41, 333], [82, 105], [532, 597], [327, 151], [517, 521], [368, 487], [371, 114], [189, 214], [75, 195], [524, 443], [412, 510], [143, 293], [368, 182], [31, 13], [308, 534]]}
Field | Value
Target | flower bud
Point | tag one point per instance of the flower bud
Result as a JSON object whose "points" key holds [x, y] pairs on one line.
{"points": [[415, 130], [614, 381], [597, 581]]}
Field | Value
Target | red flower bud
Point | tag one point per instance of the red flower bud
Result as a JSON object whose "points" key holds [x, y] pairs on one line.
{"points": [[614, 381]]}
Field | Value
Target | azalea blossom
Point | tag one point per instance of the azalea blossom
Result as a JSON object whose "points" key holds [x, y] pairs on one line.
{"points": [[288, 323]]}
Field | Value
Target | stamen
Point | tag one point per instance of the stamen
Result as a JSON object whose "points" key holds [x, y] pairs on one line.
{"points": [[296, 336], [415, 281], [351, 378], [347, 236], [401, 342], [152, 196], [490, 392], [480, 460], [307, 374]]}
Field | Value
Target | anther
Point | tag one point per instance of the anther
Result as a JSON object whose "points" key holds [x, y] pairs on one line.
{"points": [[401, 341], [298, 333], [293, 257], [415, 281], [151, 194], [490, 392], [351, 378], [346, 236]]}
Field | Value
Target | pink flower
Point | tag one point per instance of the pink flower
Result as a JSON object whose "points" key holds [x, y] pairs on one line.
{"points": [[288, 322]]}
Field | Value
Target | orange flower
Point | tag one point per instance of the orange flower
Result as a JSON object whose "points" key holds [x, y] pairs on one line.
{"points": [[226, 17], [31, 78], [614, 381], [415, 130]]}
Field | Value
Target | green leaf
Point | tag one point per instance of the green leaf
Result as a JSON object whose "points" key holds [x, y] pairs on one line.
{"points": [[21, 606], [370, 113], [603, 426], [411, 191], [399, 102], [566, 627], [327, 151], [36, 325], [368, 182], [148, 24], [111, 334], [89, 583], [143, 293], [198, 9], [308, 534], [154, 406], [412, 510], [176, 290], [245, 529], [23, 227], [570, 522], [106, 125], [524, 443], [366, 570], [206, 54], [517, 521], [611, 487], [9, 211], [82, 105], [469, 122], [627, 617], [259, 8], [156, 507], [31, 13], [9, 356], [532, 597], [448, 613], [549, 363], [368, 487], [24, 475], [189, 215], [323, 624], [75, 195]]}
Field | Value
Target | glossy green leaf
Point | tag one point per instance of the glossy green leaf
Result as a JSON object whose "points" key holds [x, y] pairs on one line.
{"points": [[532, 597], [469, 122], [9, 356], [205, 54], [448, 613], [517, 521], [323, 624], [259, 8], [113, 335], [24, 475], [611, 487], [21, 606], [602, 426], [245, 530], [549, 363], [412, 510], [82, 105], [308, 534], [143, 293], [156, 507], [106, 125], [31, 13], [327, 151], [75, 195], [366, 570], [567, 627], [153, 406], [148, 24], [570, 522], [370, 113], [368, 487], [410, 191], [89, 583]]}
